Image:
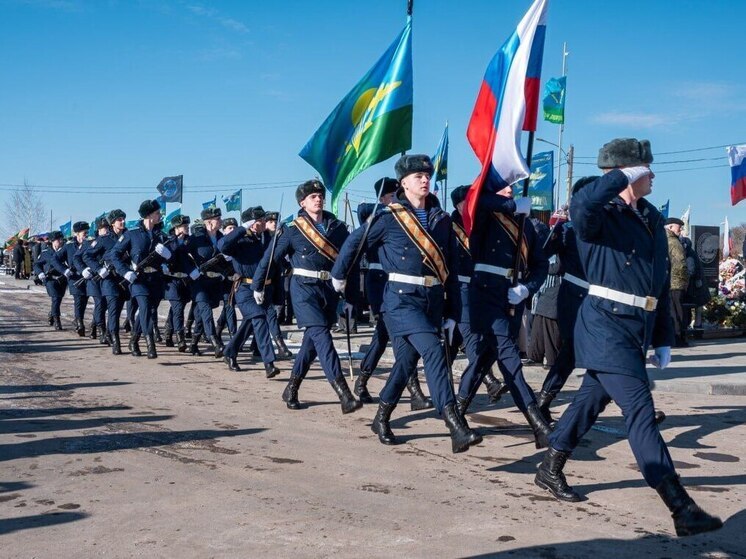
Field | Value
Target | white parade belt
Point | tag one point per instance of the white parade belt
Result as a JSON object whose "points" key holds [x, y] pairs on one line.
{"points": [[464, 279], [214, 275], [646, 303], [149, 270], [576, 280], [321, 274], [375, 266], [497, 270], [425, 281]]}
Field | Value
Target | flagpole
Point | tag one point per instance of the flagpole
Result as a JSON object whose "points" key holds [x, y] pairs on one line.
{"points": [[522, 218], [561, 130]]}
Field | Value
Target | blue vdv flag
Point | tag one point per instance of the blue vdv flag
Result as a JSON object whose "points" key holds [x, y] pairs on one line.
{"points": [[162, 203], [210, 203], [664, 209], [131, 224], [170, 216], [440, 159], [233, 201], [541, 182], [172, 188], [67, 229]]}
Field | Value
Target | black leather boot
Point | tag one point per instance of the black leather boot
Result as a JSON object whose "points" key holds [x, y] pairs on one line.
{"points": [[150, 343], [194, 347], [282, 350], [217, 345], [688, 518], [270, 370], [380, 425], [495, 387], [660, 417], [50, 319], [462, 437], [116, 344], [80, 328], [348, 401], [232, 363], [94, 331], [158, 337], [103, 335], [417, 400], [134, 345], [539, 426], [551, 478], [57, 323], [543, 401], [169, 338], [361, 388], [462, 404], [181, 341], [290, 394]]}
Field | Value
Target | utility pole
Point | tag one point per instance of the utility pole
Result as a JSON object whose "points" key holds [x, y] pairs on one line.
{"points": [[562, 127], [570, 157]]}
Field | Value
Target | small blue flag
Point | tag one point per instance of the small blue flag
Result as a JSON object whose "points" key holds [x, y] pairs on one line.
{"points": [[67, 229], [541, 182], [172, 188], [440, 159], [233, 202], [288, 220], [664, 209], [170, 216], [131, 224], [162, 203], [210, 203]]}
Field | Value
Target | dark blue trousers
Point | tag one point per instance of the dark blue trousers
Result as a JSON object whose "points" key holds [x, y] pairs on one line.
{"points": [[317, 341], [204, 323], [79, 304], [176, 315], [472, 376], [633, 396], [273, 322], [131, 310], [56, 304], [376, 348], [259, 326], [563, 367], [99, 311], [147, 309], [228, 317], [114, 306], [407, 352]]}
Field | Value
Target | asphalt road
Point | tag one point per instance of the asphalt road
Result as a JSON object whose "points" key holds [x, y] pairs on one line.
{"points": [[107, 456]]}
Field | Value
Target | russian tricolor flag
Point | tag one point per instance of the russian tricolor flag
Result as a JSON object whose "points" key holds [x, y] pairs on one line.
{"points": [[507, 104], [737, 160]]}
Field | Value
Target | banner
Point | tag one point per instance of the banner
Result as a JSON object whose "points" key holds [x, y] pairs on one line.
{"points": [[172, 188], [541, 184], [706, 242], [554, 100]]}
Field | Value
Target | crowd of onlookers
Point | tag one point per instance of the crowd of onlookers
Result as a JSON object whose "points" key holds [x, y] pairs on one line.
{"points": [[19, 259]]}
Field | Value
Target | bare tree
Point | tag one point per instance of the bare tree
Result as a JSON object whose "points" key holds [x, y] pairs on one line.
{"points": [[25, 208], [737, 235]]}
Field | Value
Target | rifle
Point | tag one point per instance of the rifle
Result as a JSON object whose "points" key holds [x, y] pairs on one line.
{"points": [[216, 263]]}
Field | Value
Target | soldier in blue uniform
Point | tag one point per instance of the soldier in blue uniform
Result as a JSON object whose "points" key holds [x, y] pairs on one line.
{"points": [[96, 258], [137, 257], [177, 290], [206, 270], [312, 242], [246, 248], [493, 242], [64, 263], [227, 316], [624, 252], [375, 283], [277, 296], [47, 273], [416, 245], [93, 282]]}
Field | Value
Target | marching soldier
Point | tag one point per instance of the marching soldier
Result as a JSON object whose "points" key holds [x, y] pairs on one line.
{"points": [[228, 313], [417, 249], [93, 281], [623, 249], [375, 283], [245, 246], [207, 281], [278, 292], [137, 257], [64, 263], [467, 387], [47, 273], [493, 242], [312, 242], [177, 291]]}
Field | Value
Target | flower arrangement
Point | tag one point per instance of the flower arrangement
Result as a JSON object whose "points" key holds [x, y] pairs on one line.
{"points": [[728, 308]]}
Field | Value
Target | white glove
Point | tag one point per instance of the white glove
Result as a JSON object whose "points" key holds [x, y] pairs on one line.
{"points": [[661, 358], [42, 276], [523, 206], [130, 276], [259, 297], [165, 270], [194, 274], [163, 251], [449, 327], [103, 272], [227, 258], [68, 273], [87, 273], [635, 173], [247, 224], [517, 294], [339, 285]]}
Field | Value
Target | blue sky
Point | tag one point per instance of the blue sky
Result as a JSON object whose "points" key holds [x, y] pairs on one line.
{"points": [[101, 99]]}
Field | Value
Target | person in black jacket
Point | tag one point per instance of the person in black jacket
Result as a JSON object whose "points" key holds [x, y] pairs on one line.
{"points": [[19, 254]]}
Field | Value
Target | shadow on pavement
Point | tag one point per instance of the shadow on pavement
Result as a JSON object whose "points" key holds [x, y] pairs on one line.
{"points": [[47, 425], [8, 525], [22, 413], [20, 388]]}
